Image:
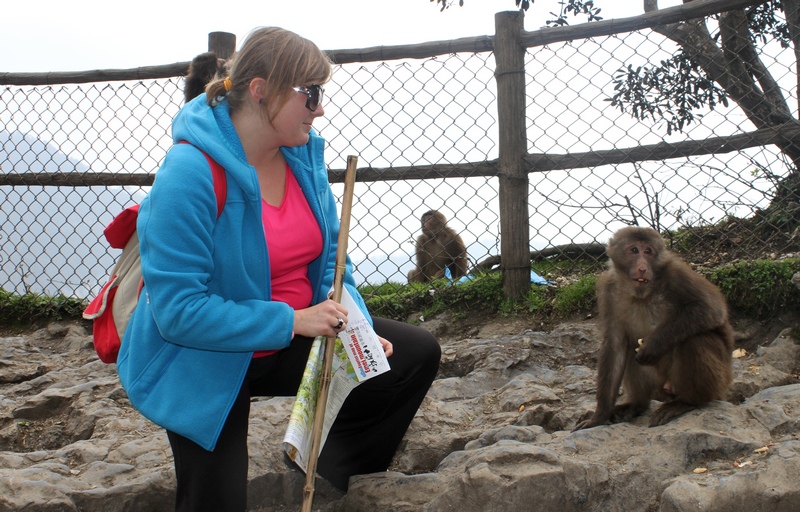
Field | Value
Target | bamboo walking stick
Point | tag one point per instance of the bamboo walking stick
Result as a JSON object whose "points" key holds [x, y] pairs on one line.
{"points": [[327, 364]]}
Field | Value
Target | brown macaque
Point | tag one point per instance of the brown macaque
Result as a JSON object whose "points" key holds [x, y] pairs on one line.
{"points": [[438, 248], [666, 333], [202, 70]]}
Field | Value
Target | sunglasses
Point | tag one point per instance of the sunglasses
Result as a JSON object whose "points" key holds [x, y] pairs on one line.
{"points": [[314, 93]]}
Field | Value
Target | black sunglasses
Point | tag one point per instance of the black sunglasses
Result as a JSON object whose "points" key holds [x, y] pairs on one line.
{"points": [[314, 93]]}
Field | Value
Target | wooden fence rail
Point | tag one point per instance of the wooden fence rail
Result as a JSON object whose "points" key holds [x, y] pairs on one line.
{"points": [[476, 44]]}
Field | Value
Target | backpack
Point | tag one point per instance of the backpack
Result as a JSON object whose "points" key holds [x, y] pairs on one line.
{"points": [[111, 310]]}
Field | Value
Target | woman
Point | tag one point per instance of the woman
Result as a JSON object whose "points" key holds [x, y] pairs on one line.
{"points": [[231, 305]]}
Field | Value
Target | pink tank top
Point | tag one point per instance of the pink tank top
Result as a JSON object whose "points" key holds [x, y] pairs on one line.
{"points": [[294, 240]]}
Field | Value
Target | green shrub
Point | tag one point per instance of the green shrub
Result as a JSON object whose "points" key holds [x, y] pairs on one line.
{"points": [[576, 297], [20, 311], [761, 288]]}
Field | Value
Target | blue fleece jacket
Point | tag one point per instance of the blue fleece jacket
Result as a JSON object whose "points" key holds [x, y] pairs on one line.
{"points": [[206, 303]]}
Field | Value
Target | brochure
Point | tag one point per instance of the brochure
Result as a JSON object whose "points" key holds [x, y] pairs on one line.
{"points": [[357, 357]]}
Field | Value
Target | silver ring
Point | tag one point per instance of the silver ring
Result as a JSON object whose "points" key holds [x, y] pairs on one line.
{"points": [[340, 324]]}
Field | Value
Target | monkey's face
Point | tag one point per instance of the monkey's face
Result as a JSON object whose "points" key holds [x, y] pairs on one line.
{"points": [[429, 226], [636, 255], [637, 261], [432, 223]]}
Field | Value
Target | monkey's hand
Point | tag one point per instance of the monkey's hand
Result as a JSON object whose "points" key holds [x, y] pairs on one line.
{"points": [[646, 353]]}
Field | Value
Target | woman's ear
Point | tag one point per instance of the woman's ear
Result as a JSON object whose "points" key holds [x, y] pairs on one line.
{"points": [[258, 89]]}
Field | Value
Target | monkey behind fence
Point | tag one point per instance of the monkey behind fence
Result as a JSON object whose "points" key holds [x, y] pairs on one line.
{"points": [[438, 248]]}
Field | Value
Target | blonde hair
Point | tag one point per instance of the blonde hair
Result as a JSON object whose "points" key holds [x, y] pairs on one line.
{"points": [[282, 58]]}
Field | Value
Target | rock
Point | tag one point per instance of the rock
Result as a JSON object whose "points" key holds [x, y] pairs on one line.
{"points": [[493, 434]]}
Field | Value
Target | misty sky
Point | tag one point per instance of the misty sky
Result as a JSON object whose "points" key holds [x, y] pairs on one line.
{"points": [[52, 35]]}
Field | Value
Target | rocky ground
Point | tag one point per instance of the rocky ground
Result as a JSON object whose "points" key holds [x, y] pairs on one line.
{"points": [[494, 434]]}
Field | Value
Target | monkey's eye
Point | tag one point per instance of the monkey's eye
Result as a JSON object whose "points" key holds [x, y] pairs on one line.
{"points": [[648, 251], [635, 250]]}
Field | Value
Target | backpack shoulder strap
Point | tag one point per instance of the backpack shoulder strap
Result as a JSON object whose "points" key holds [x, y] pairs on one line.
{"points": [[220, 180]]}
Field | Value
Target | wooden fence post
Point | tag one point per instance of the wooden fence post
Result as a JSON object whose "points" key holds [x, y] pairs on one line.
{"points": [[222, 44], [509, 56]]}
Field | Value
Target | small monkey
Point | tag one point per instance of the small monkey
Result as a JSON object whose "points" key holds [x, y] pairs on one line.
{"points": [[438, 248], [202, 70], [666, 333]]}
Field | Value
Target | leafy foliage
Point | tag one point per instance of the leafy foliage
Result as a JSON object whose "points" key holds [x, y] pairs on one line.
{"points": [[765, 26], [31, 309], [400, 301], [676, 88], [760, 288], [576, 297], [484, 293], [576, 7], [671, 91], [447, 3]]}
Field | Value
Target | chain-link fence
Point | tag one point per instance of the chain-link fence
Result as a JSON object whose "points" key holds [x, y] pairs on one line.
{"points": [[438, 114], [570, 112]]}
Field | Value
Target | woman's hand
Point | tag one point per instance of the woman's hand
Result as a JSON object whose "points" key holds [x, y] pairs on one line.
{"points": [[388, 349], [324, 319]]}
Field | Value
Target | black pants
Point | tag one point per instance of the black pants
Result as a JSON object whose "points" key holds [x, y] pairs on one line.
{"points": [[362, 439]]}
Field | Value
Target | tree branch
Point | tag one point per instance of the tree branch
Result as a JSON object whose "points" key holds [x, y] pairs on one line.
{"points": [[734, 67], [570, 251], [791, 9]]}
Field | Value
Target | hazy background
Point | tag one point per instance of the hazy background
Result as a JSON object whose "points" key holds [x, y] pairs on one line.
{"points": [[50, 35]]}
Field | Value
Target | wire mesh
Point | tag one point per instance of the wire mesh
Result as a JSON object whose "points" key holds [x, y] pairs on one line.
{"points": [[393, 114]]}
